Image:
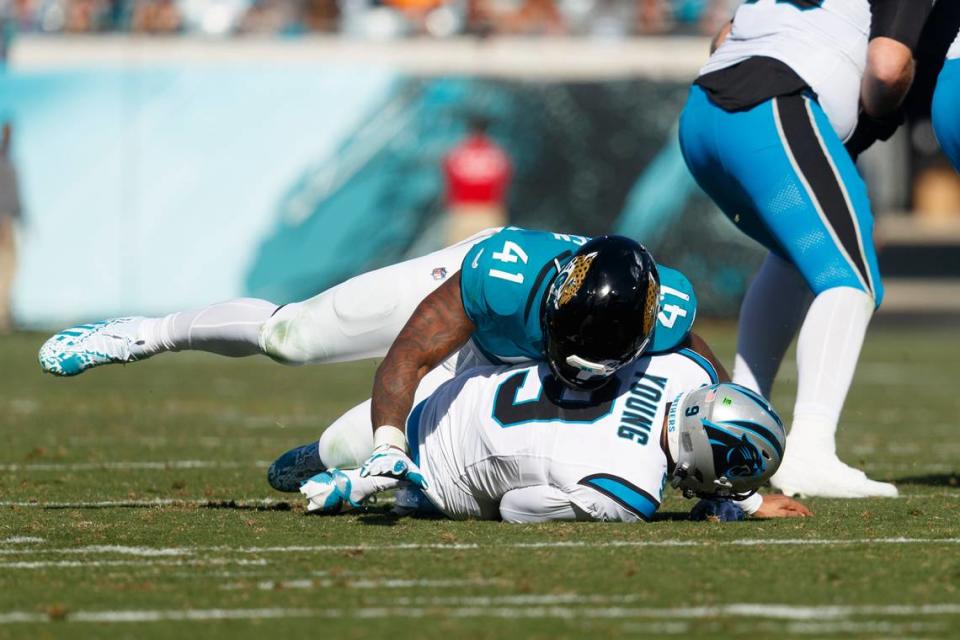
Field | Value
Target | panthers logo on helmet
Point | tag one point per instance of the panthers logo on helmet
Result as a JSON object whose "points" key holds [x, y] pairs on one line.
{"points": [[570, 280], [733, 457]]}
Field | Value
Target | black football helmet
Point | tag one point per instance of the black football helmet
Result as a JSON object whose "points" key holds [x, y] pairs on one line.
{"points": [[600, 311]]}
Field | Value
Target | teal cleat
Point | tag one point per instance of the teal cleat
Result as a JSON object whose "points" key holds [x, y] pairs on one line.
{"points": [[74, 350], [329, 493], [296, 466]]}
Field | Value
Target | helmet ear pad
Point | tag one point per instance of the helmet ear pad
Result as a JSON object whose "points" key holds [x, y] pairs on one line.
{"points": [[600, 311]]}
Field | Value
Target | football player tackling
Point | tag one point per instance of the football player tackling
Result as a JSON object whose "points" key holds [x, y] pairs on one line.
{"points": [[438, 317]]}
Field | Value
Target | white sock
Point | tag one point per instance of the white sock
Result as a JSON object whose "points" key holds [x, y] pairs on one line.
{"points": [[769, 317], [827, 353], [228, 329]]}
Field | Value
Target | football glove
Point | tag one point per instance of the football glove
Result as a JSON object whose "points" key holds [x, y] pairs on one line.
{"points": [[386, 460], [870, 130], [717, 510]]}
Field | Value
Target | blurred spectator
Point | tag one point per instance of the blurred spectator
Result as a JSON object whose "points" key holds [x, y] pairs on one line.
{"points": [[653, 16], [715, 14], [936, 193], [415, 11], [376, 19], [271, 16], [7, 31], [320, 15], [525, 17], [10, 213], [156, 16], [84, 16], [477, 173]]}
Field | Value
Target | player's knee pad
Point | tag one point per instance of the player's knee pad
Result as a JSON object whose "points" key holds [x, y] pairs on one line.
{"points": [[357, 319], [833, 265], [875, 294], [279, 336]]}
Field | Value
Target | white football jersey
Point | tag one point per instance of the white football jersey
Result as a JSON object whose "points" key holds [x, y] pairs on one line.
{"points": [[954, 51], [826, 45], [494, 429]]}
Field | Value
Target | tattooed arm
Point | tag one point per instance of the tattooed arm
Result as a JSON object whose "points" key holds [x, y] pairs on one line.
{"points": [[438, 327]]}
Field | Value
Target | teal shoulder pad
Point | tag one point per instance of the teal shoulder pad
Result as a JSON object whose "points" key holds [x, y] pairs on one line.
{"points": [[678, 310]]}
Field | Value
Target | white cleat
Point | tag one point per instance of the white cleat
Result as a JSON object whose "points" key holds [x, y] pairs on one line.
{"points": [[811, 474], [74, 350]]}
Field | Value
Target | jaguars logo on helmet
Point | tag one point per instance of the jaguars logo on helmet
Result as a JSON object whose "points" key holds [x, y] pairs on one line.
{"points": [[651, 309], [572, 276], [600, 311]]}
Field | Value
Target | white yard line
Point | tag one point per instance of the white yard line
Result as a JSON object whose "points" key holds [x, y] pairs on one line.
{"points": [[387, 583], [152, 502], [768, 629], [158, 615], [22, 540], [241, 502], [131, 465], [887, 629], [777, 611], [88, 564], [744, 542], [744, 610]]}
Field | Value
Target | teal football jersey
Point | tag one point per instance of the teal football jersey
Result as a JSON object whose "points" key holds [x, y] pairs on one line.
{"points": [[504, 278]]}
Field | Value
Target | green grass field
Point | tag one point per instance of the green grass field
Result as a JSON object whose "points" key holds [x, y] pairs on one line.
{"points": [[134, 504]]}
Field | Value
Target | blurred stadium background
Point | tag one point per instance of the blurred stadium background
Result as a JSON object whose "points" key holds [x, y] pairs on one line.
{"points": [[176, 152]]}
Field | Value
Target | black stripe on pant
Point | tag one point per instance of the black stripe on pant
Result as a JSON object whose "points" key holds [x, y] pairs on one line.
{"points": [[813, 163]]}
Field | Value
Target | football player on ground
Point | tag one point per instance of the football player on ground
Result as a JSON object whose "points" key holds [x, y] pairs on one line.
{"points": [[435, 318], [762, 133], [515, 443]]}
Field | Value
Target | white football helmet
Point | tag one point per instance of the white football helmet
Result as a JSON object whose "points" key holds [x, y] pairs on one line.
{"points": [[725, 439]]}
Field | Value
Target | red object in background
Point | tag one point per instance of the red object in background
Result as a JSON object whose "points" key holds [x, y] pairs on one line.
{"points": [[477, 172]]}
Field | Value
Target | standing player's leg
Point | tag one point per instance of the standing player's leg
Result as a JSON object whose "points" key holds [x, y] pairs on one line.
{"points": [[356, 319], [946, 123], [765, 330], [815, 204], [805, 193]]}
